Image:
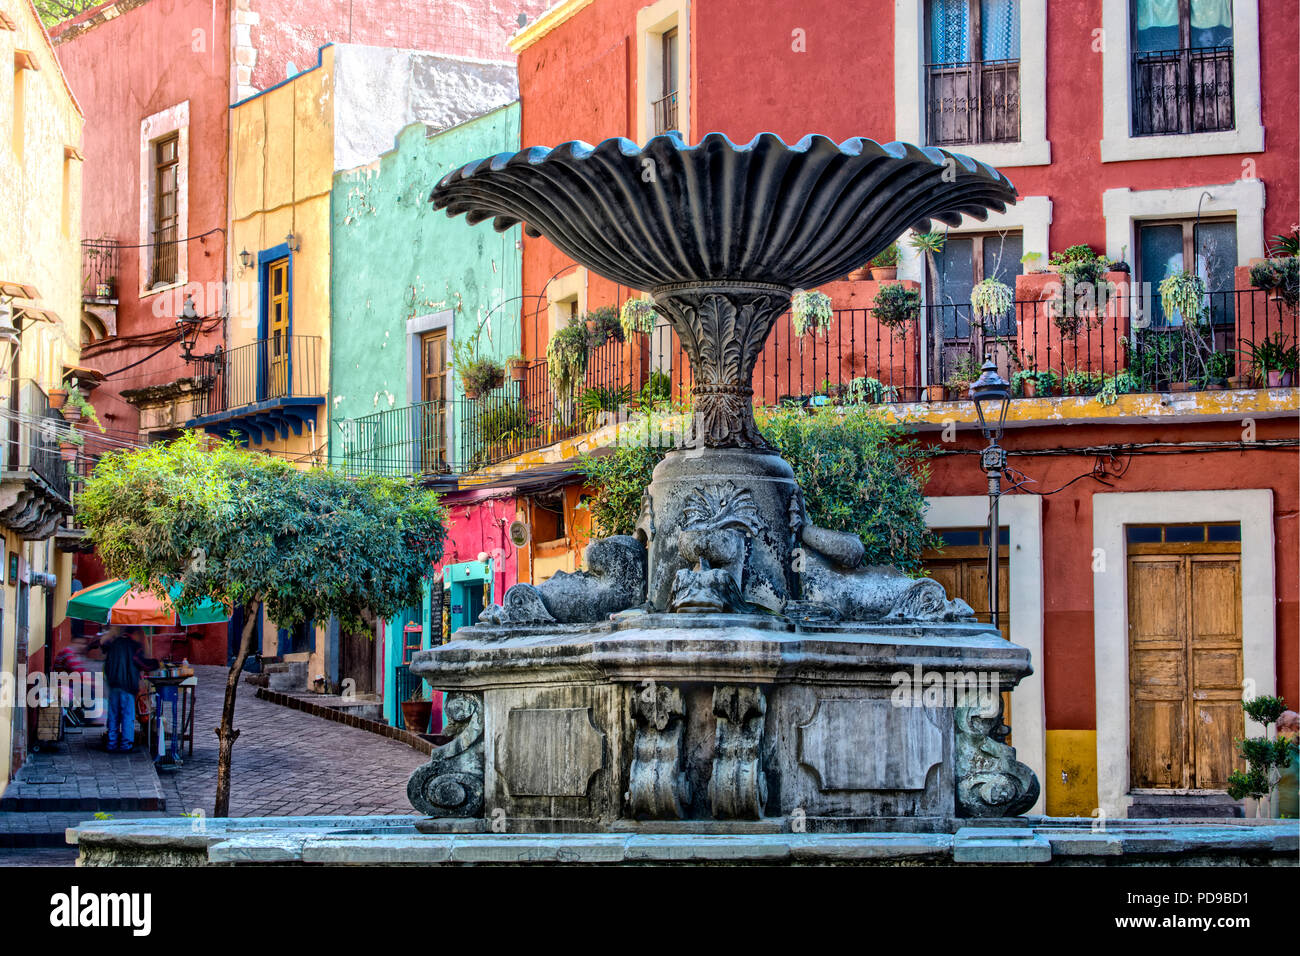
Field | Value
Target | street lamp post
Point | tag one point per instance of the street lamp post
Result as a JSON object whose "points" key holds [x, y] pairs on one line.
{"points": [[992, 394]]}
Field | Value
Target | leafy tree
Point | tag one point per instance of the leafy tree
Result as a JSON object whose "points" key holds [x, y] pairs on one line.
{"points": [[56, 11], [858, 472], [249, 529]]}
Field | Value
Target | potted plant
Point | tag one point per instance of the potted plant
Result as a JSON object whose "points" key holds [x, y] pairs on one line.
{"points": [[602, 325], [810, 310], [517, 366], [76, 407], [884, 265], [1024, 383], [417, 712], [1113, 386], [1276, 360], [1083, 292], [58, 396], [69, 445], [566, 358], [1031, 261], [637, 316], [990, 299], [1217, 366], [865, 390], [1120, 264], [478, 376], [896, 307], [1183, 292], [1082, 382], [958, 382]]}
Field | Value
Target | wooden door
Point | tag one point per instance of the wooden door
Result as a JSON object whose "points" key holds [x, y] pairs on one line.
{"points": [[1185, 669], [277, 328], [432, 422], [963, 570]]}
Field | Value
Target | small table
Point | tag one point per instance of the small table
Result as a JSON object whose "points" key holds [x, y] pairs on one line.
{"points": [[177, 690]]}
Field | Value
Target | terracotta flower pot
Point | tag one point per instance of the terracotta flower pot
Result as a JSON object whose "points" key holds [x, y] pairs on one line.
{"points": [[1029, 387], [859, 275], [935, 393], [1239, 381], [58, 397], [518, 370], [1279, 379], [1180, 386], [67, 451], [71, 413], [416, 714], [884, 273]]}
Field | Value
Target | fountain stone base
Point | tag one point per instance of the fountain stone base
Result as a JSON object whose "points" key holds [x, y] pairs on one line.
{"points": [[650, 718]]}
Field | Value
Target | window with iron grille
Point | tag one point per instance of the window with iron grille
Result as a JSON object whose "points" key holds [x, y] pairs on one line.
{"points": [[1182, 70], [665, 105], [166, 209], [973, 71]]}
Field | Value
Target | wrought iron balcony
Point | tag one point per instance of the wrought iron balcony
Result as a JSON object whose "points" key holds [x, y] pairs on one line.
{"points": [[35, 487], [409, 441], [665, 113], [100, 268], [976, 102], [1182, 91], [263, 389]]}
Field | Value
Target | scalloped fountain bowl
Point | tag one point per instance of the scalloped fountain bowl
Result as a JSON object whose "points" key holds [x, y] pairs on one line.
{"points": [[730, 661]]}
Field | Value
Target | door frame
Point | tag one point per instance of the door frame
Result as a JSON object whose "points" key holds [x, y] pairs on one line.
{"points": [[1022, 516], [1111, 513], [264, 260]]}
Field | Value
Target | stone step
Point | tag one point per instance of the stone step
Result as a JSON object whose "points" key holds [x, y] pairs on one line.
{"points": [[286, 676], [1184, 805]]}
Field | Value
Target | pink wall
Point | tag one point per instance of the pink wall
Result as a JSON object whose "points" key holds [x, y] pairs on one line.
{"points": [[476, 524], [122, 71], [291, 31]]}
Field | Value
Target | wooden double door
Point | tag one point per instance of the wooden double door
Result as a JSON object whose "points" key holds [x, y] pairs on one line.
{"points": [[1185, 668]]}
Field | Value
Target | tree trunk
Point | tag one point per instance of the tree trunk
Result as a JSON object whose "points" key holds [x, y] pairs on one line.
{"points": [[226, 733], [935, 357]]}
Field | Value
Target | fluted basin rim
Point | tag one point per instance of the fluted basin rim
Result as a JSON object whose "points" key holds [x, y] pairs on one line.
{"points": [[795, 215]]}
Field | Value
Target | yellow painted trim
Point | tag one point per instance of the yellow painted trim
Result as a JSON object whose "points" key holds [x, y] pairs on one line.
{"points": [[544, 24]]}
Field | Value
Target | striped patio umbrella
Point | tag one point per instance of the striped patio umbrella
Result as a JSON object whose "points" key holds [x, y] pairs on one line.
{"points": [[116, 602]]}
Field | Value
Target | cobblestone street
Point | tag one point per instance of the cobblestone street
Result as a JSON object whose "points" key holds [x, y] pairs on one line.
{"points": [[286, 763]]}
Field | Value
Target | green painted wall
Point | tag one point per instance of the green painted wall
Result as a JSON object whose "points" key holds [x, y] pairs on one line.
{"points": [[396, 258]]}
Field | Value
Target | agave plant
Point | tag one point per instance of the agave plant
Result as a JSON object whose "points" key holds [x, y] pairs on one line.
{"points": [[810, 311]]}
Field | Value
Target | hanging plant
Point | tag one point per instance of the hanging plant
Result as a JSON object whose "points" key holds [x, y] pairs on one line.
{"points": [[897, 306], [1183, 292], [566, 356], [810, 311], [990, 299], [80, 408], [602, 325], [637, 316], [1083, 293]]}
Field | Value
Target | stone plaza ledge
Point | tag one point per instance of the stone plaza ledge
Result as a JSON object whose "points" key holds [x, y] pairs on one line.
{"points": [[396, 841]]}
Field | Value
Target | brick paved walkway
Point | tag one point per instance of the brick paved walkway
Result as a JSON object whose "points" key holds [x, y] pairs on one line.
{"points": [[287, 762]]}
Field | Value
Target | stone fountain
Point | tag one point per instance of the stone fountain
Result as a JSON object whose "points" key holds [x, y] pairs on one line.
{"points": [[731, 661]]}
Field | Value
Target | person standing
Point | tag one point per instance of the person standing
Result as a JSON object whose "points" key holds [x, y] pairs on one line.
{"points": [[123, 660]]}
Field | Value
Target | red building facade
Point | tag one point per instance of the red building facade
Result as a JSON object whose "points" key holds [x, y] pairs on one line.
{"points": [[1068, 102]]}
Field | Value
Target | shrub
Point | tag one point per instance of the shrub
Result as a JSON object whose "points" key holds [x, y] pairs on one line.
{"points": [[896, 306]]}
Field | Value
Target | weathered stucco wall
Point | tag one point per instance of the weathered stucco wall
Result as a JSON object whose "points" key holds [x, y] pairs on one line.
{"points": [[405, 260], [284, 32], [378, 91], [40, 191]]}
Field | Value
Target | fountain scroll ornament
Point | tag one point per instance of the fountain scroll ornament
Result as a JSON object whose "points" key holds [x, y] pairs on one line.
{"points": [[721, 236]]}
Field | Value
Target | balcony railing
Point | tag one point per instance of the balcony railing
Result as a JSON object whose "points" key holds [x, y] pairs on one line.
{"points": [[1110, 349], [977, 102], [1182, 91], [100, 267], [32, 438], [406, 441], [280, 367], [665, 113]]}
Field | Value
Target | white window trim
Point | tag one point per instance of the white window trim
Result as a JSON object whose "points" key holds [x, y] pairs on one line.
{"points": [[415, 328], [562, 290], [1244, 198], [1034, 148], [1117, 145], [1022, 515], [174, 119], [1111, 511], [651, 23]]}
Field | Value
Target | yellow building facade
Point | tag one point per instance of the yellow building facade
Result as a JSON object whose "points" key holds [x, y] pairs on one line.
{"points": [[40, 311]]}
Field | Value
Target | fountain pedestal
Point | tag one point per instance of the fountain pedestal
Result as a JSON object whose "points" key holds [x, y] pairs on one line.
{"points": [[741, 717]]}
